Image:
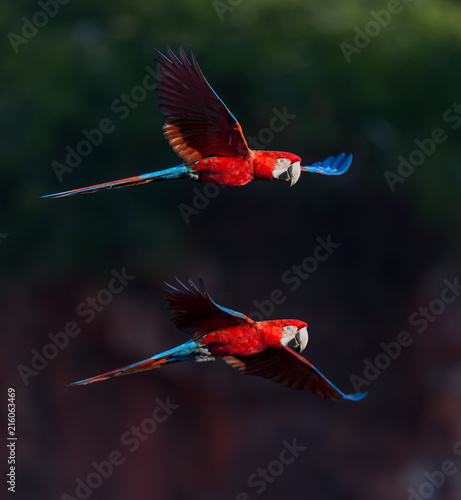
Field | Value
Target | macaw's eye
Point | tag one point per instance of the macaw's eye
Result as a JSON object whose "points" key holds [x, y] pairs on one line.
{"points": [[281, 162]]}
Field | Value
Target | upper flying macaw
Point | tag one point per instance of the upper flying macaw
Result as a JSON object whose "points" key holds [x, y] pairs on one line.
{"points": [[208, 138], [265, 348]]}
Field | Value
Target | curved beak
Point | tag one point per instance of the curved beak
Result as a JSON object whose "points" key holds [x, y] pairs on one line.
{"points": [[294, 172], [299, 342], [302, 337]]}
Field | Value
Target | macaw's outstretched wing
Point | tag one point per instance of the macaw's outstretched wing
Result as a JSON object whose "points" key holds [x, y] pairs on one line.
{"points": [[289, 368], [197, 123], [330, 166], [196, 313]]}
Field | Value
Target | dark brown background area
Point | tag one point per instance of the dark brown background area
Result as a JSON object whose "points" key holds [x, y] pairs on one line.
{"points": [[396, 250]]}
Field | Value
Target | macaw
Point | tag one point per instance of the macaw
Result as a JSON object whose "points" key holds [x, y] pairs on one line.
{"points": [[208, 138], [264, 348]]}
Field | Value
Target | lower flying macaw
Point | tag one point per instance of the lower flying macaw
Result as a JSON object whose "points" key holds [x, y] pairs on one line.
{"points": [[265, 348], [208, 138]]}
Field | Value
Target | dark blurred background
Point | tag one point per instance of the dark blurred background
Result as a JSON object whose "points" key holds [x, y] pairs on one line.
{"points": [[381, 80]]}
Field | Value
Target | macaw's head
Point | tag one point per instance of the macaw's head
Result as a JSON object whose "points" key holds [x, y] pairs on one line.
{"points": [[294, 334], [276, 165], [287, 167]]}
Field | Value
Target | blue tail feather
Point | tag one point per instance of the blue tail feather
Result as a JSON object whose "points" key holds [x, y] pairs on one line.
{"points": [[177, 172], [191, 350]]}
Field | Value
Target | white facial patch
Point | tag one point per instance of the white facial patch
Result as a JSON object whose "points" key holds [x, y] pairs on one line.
{"points": [[286, 171], [288, 333], [294, 338], [282, 163]]}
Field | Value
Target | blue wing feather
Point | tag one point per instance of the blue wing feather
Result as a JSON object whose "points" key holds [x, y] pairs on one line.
{"points": [[289, 368], [330, 166], [351, 397]]}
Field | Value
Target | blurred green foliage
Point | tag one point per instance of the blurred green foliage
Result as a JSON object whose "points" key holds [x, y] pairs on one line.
{"points": [[258, 55]]}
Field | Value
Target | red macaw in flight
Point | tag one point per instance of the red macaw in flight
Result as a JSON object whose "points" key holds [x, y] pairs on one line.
{"points": [[208, 138], [264, 348]]}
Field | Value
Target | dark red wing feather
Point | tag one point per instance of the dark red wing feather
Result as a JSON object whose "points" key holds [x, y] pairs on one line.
{"points": [[197, 123], [195, 312], [287, 367]]}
